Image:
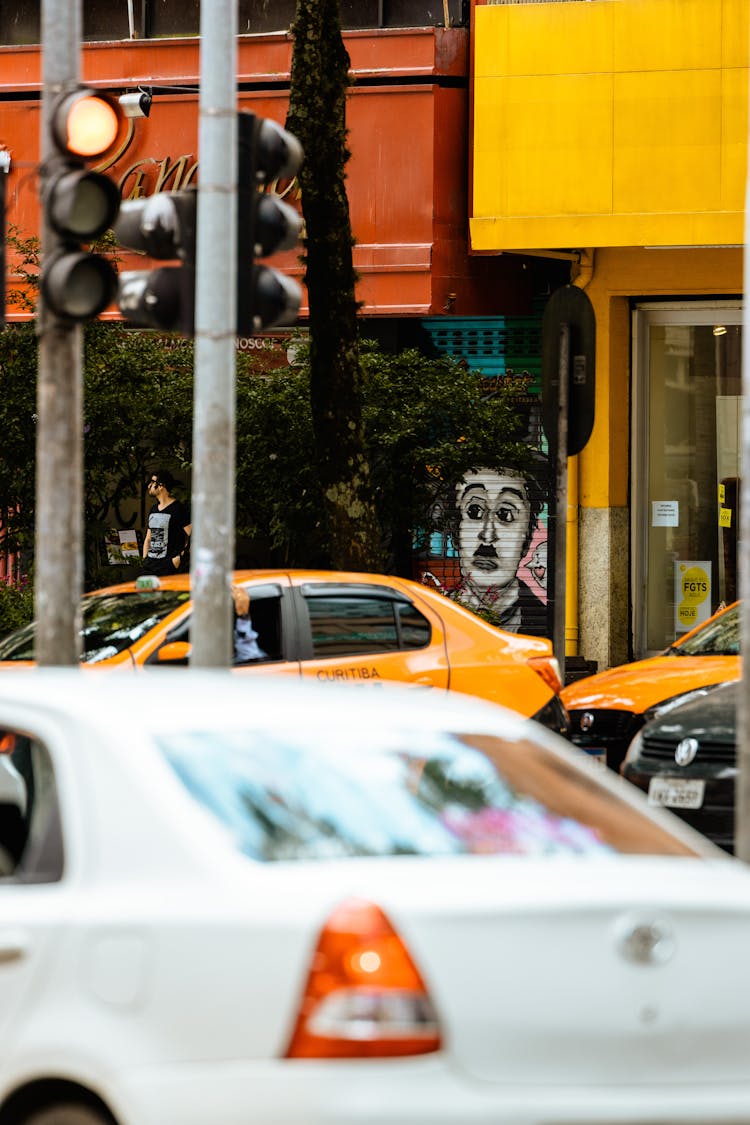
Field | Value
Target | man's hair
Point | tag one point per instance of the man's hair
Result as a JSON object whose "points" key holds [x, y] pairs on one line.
{"points": [[165, 478], [535, 477]]}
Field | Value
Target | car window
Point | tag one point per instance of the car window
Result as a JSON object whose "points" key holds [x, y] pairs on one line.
{"points": [[30, 837], [111, 623], [265, 620], [717, 638], [316, 795], [414, 629], [114, 622], [355, 625]]}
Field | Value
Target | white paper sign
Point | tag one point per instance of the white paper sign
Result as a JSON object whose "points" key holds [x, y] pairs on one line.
{"points": [[665, 513]]}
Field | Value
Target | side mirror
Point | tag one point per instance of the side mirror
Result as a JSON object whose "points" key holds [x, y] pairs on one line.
{"points": [[174, 652]]}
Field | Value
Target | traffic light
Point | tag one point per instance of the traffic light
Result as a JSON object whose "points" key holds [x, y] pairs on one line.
{"points": [[265, 224], [164, 227], [79, 204]]}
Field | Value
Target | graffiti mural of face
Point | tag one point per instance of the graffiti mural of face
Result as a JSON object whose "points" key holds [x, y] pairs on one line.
{"points": [[494, 511]]}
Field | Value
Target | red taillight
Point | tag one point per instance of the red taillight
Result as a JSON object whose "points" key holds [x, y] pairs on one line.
{"points": [[364, 997], [7, 742], [548, 668]]}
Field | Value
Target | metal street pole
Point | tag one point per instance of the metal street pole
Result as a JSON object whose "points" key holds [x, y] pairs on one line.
{"points": [[742, 795], [561, 498], [58, 565], [213, 537], [4, 169]]}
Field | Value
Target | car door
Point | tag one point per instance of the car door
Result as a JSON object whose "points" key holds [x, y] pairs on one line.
{"points": [[273, 618], [31, 867], [366, 633]]}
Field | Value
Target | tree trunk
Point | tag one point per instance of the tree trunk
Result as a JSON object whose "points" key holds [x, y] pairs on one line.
{"points": [[317, 116]]}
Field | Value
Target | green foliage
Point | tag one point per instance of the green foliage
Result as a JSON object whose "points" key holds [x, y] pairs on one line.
{"points": [[278, 492], [18, 427], [138, 403], [26, 257], [137, 412], [427, 422], [16, 606]]}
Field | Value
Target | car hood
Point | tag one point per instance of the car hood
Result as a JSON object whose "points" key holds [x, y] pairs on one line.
{"points": [[638, 686], [711, 718]]}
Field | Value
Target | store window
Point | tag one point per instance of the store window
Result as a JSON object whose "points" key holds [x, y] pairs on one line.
{"points": [[20, 20], [166, 19], [686, 466]]}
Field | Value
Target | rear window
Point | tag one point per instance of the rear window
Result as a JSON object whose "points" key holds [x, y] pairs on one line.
{"points": [[329, 794], [111, 623]]}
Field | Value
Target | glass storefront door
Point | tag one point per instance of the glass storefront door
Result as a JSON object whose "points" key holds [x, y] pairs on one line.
{"points": [[685, 467]]}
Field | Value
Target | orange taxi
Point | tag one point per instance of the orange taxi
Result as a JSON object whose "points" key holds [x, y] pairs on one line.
{"points": [[334, 626], [608, 709]]}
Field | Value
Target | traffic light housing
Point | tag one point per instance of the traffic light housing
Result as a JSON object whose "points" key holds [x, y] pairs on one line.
{"points": [[164, 227], [79, 204], [265, 224]]}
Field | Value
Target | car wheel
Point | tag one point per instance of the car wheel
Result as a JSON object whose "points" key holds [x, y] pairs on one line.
{"points": [[68, 1114]]}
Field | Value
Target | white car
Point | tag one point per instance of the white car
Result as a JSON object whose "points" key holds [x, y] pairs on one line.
{"points": [[249, 903]]}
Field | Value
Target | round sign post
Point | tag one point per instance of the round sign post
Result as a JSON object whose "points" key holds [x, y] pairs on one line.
{"points": [[568, 364]]}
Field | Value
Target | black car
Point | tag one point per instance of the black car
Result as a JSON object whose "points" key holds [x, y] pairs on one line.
{"points": [[685, 759], [608, 709]]}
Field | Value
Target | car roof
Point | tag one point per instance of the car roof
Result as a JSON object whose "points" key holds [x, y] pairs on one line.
{"points": [[181, 701], [362, 578], [217, 697]]}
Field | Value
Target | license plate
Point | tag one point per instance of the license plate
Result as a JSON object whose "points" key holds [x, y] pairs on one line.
{"points": [[676, 792]]}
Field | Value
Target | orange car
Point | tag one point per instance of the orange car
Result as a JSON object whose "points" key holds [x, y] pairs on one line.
{"points": [[607, 710], [360, 628]]}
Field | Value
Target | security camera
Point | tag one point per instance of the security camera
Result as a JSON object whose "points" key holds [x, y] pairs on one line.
{"points": [[137, 104]]}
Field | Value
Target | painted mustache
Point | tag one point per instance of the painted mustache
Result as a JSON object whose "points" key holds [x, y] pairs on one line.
{"points": [[485, 557]]}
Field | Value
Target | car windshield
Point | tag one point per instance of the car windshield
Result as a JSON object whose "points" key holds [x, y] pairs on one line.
{"points": [[717, 638], [330, 793], [111, 623]]}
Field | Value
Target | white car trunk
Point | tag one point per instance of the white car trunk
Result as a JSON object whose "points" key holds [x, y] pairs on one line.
{"points": [[537, 970]]}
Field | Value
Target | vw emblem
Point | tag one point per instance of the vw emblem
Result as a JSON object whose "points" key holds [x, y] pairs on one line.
{"points": [[686, 751], [587, 720]]}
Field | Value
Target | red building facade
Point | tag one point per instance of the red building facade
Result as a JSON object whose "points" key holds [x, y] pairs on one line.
{"points": [[407, 177]]}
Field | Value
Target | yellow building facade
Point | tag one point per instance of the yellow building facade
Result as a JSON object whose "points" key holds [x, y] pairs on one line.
{"points": [[615, 133]]}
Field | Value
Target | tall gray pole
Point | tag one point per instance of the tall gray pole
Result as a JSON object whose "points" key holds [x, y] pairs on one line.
{"points": [[561, 500], [742, 797], [215, 329], [58, 567]]}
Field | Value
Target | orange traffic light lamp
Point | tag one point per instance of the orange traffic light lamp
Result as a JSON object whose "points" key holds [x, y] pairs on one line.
{"points": [[85, 123], [79, 204]]}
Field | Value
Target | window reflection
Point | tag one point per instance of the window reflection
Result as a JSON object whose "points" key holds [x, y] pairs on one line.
{"points": [[111, 623], [326, 795]]}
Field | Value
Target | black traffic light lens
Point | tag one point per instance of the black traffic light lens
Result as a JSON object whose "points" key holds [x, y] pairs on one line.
{"points": [[82, 204], [77, 285]]}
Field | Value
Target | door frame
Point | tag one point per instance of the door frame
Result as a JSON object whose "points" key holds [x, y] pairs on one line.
{"points": [[644, 315]]}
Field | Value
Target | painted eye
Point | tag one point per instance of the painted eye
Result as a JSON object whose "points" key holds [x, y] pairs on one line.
{"points": [[475, 511]]}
